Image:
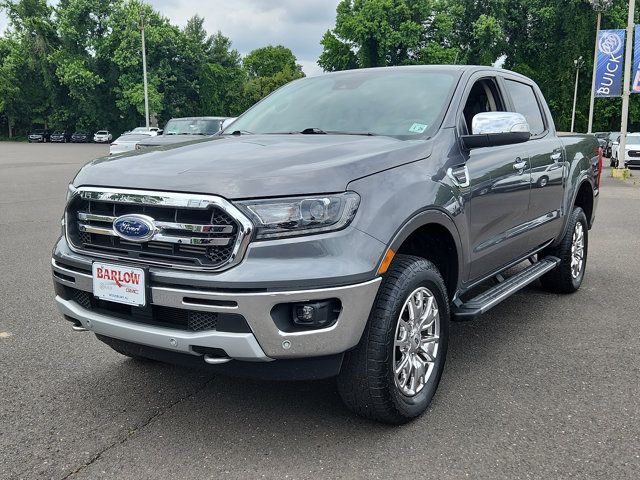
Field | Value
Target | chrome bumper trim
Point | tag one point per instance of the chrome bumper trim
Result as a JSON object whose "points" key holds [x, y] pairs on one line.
{"points": [[239, 346], [356, 300]]}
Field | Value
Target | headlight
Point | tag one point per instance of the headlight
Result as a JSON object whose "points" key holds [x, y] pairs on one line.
{"points": [[70, 191], [289, 217]]}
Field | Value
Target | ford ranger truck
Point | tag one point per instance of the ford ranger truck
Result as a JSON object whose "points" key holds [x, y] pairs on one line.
{"points": [[333, 230]]}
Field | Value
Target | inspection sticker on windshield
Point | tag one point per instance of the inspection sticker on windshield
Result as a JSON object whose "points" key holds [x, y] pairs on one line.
{"points": [[418, 128], [120, 284]]}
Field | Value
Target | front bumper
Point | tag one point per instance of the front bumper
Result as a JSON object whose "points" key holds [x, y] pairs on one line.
{"points": [[632, 162], [266, 341]]}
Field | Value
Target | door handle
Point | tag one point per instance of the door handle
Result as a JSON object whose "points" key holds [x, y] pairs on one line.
{"points": [[520, 164]]}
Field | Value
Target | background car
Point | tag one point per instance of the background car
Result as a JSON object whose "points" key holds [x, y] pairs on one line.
{"points": [[602, 139], [228, 122], [81, 137], [102, 136], [145, 130], [611, 139], [180, 130], [60, 136], [40, 136], [127, 142], [632, 154]]}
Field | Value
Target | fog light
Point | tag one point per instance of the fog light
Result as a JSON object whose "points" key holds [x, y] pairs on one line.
{"points": [[306, 313], [320, 314]]}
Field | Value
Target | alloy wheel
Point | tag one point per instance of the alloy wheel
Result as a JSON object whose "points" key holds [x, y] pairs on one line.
{"points": [[416, 342], [577, 250]]}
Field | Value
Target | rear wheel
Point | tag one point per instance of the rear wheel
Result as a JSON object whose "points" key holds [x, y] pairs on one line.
{"points": [[393, 373], [572, 251]]}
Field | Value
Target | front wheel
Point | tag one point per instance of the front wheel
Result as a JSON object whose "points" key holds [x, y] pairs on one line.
{"points": [[393, 373]]}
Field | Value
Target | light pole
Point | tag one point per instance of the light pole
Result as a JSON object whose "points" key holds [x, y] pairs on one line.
{"points": [[627, 87], [578, 63], [144, 72], [599, 6]]}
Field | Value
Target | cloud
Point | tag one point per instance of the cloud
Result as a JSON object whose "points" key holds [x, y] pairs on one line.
{"points": [[250, 24], [296, 24]]}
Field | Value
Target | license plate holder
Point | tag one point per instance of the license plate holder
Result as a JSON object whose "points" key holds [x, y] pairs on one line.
{"points": [[122, 284]]}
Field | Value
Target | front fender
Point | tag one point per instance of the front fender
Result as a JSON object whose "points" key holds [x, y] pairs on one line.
{"points": [[397, 202]]}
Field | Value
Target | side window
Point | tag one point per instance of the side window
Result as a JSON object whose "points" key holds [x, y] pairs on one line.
{"points": [[525, 102], [483, 97]]}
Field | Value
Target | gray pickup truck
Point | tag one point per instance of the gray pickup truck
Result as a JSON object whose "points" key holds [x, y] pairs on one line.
{"points": [[333, 230]]}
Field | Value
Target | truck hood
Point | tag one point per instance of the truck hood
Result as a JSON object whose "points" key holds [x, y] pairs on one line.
{"points": [[255, 165]]}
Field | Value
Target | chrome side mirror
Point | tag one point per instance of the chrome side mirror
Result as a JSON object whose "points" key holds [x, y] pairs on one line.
{"points": [[490, 129]]}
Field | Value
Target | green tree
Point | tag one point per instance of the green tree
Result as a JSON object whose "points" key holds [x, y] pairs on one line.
{"points": [[269, 61], [26, 64], [268, 69]]}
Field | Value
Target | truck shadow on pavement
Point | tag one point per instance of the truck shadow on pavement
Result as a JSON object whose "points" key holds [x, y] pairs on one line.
{"points": [[214, 406]]}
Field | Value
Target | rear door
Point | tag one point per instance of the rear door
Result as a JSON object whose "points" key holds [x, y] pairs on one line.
{"points": [[547, 160], [499, 183]]}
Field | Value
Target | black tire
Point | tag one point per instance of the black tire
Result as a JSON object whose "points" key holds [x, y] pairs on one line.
{"points": [[542, 182], [561, 279], [123, 348], [366, 382]]}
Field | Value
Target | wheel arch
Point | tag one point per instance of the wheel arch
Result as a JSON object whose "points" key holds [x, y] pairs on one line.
{"points": [[433, 235], [583, 196]]}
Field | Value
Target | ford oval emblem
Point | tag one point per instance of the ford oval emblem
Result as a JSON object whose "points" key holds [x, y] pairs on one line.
{"points": [[135, 228]]}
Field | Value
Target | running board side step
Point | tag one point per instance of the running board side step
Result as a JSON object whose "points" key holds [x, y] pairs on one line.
{"points": [[503, 290]]}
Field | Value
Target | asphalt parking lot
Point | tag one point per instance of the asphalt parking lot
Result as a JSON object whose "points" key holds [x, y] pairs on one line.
{"points": [[544, 386]]}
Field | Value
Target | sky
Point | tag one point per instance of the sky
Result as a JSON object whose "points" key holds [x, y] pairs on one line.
{"points": [[296, 24]]}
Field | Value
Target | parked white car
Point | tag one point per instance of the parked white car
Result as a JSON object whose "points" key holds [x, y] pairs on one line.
{"points": [[102, 136], [632, 154], [153, 131], [228, 122], [127, 142]]}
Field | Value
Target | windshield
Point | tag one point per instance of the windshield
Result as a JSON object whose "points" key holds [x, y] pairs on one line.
{"points": [[397, 103], [102, 132], [192, 127], [140, 130], [633, 140]]}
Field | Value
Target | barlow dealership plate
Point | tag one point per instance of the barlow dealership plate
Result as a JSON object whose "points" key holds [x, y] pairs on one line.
{"points": [[119, 284]]}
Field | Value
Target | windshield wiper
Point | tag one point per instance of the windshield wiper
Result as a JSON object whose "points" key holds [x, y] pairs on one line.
{"points": [[360, 134]]}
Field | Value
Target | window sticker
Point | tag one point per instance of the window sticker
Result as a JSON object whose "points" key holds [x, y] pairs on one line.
{"points": [[418, 128]]}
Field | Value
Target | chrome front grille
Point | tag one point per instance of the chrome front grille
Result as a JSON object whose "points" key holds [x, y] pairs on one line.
{"points": [[191, 231]]}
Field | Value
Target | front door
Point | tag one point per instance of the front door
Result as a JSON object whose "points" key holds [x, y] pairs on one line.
{"points": [[500, 182], [498, 193]]}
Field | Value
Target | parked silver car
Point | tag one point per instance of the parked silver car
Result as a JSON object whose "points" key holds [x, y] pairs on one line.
{"points": [[180, 130], [127, 142]]}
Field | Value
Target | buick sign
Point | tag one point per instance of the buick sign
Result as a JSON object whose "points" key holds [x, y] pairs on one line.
{"points": [[135, 228]]}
